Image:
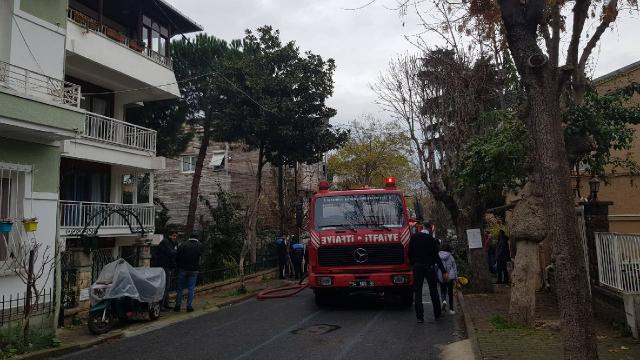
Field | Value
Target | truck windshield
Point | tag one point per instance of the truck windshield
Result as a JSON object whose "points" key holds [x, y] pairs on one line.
{"points": [[359, 211]]}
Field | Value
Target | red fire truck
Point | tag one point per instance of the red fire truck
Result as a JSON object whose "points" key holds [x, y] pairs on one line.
{"points": [[359, 242]]}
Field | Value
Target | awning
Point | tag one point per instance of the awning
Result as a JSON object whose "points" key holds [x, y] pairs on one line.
{"points": [[217, 160]]}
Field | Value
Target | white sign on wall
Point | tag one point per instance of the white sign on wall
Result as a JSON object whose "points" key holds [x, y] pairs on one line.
{"points": [[474, 236], [84, 294]]}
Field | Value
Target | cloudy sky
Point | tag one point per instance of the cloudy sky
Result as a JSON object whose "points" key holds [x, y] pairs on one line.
{"points": [[362, 41]]}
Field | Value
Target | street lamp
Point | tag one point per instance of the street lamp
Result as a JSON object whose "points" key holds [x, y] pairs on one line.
{"points": [[594, 186]]}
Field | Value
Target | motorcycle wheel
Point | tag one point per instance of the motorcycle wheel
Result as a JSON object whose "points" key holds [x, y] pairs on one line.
{"points": [[154, 311], [96, 325]]}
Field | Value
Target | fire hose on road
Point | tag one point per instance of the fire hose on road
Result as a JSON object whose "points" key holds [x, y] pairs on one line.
{"points": [[277, 293]]}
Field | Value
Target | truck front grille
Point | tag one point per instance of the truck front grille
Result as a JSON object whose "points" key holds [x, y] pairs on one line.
{"points": [[383, 254]]}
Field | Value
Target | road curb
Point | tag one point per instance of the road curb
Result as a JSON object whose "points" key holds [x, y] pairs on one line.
{"points": [[68, 349], [468, 323]]}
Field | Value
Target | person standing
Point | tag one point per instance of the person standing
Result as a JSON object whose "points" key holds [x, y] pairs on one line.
{"points": [[446, 286], [423, 256], [188, 263], [490, 248], [281, 250], [166, 259], [503, 255], [297, 254]]}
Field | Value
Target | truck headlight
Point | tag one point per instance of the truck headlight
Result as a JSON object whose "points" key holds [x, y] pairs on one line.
{"points": [[400, 279], [324, 280]]}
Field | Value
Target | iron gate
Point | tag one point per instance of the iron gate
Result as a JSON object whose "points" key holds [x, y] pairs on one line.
{"points": [[69, 273], [100, 258]]}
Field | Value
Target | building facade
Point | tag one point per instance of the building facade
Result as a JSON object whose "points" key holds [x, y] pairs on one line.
{"points": [[69, 73], [230, 167], [621, 187]]}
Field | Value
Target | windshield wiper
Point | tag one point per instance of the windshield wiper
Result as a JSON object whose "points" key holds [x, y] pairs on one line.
{"points": [[378, 225], [344, 226]]}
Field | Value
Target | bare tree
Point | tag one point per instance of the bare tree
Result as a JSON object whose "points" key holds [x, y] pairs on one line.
{"points": [[439, 98], [33, 264]]}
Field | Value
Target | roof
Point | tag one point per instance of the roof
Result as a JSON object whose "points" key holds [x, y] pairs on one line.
{"points": [[181, 23], [621, 71]]}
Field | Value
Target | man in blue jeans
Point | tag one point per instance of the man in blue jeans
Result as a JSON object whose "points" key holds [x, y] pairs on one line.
{"points": [[188, 263]]}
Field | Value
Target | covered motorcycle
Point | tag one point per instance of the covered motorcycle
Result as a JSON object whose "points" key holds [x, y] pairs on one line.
{"points": [[124, 292]]}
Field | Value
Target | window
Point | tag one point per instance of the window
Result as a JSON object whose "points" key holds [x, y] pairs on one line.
{"points": [[218, 160], [188, 163], [136, 188], [359, 211], [13, 182], [155, 36]]}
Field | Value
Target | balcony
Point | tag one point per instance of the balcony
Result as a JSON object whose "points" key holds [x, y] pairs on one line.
{"points": [[35, 85], [89, 23], [102, 218], [112, 131]]}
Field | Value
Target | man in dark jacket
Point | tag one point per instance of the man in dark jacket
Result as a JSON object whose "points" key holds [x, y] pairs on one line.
{"points": [[297, 254], [423, 256], [188, 262], [166, 259]]}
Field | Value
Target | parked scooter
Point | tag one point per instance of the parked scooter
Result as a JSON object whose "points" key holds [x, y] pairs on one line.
{"points": [[123, 292]]}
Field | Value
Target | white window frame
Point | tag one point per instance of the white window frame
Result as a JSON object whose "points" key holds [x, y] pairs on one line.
{"points": [[191, 162], [20, 189], [217, 153]]}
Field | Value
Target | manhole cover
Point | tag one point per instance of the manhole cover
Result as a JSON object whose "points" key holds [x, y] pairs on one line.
{"points": [[317, 329]]}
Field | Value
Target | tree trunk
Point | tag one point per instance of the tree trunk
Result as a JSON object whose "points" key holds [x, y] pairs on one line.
{"points": [[195, 182], [28, 298], [550, 173], [281, 198], [523, 283], [479, 279]]}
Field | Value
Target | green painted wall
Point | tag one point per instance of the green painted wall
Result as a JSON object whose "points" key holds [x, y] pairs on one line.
{"points": [[32, 111], [53, 11], [45, 160]]}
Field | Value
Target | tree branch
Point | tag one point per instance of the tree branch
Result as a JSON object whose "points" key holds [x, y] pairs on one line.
{"points": [[609, 15], [580, 14]]}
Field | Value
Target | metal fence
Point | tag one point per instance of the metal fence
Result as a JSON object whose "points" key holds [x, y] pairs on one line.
{"points": [[119, 132], [221, 274], [78, 214], [30, 83], [12, 307], [619, 261]]}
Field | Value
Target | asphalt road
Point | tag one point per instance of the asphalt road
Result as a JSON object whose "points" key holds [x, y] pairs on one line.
{"points": [[292, 328]]}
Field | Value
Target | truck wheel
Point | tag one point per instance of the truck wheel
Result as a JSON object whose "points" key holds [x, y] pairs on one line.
{"points": [[322, 298], [406, 298], [96, 325]]}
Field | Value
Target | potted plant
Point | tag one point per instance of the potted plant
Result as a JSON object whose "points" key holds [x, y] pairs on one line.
{"points": [[136, 45], [30, 225], [5, 226], [115, 35]]}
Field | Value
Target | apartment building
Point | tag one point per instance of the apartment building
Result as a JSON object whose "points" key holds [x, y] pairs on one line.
{"points": [[69, 72], [38, 111], [118, 52]]}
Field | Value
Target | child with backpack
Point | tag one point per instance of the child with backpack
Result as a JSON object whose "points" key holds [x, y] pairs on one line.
{"points": [[446, 288]]}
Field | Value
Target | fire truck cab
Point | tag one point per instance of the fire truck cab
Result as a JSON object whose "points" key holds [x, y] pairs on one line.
{"points": [[359, 242]]}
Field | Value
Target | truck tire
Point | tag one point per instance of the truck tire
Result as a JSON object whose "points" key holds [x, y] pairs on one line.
{"points": [[406, 298], [322, 298]]}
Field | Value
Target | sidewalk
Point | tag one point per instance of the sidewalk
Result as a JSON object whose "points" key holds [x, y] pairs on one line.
{"points": [[78, 337], [497, 338]]}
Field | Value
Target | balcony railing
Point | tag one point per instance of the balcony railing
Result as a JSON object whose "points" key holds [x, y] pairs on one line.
{"points": [[105, 129], [619, 261], [94, 25], [33, 84], [78, 215]]}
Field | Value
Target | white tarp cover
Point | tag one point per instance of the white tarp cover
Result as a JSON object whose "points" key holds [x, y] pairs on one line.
{"points": [[142, 284]]}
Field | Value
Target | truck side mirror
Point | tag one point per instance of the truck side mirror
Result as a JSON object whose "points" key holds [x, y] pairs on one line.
{"points": [[299, 214]]}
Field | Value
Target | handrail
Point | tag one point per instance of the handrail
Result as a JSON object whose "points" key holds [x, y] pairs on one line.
{"points": [[31, 83], [92, 24], [103, 128]]}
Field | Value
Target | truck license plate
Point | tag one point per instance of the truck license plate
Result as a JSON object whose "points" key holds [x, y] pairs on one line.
{"points": [[362, 283]]}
